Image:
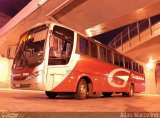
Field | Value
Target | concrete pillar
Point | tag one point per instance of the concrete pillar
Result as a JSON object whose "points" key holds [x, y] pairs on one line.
{"points": [[158, 76], [158, 85], [150, 81], [5, 72], [10, 62]]}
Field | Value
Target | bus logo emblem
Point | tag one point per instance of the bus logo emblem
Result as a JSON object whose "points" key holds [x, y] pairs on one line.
{"points": [[124, 78]]}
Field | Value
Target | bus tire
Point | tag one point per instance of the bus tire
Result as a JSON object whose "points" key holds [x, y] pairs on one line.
{"points": [[107, 94], [50, 94], [81, 92], [130, 93]]}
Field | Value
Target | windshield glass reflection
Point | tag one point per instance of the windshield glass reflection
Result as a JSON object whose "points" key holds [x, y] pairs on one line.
{"points": [[31, 44]]}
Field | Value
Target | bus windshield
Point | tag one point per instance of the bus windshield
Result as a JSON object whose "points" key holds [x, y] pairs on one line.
{"points": [[31, 47], [61, 45]]}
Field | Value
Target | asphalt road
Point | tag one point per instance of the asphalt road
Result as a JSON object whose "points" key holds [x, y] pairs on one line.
{"points": [[31, 101]]}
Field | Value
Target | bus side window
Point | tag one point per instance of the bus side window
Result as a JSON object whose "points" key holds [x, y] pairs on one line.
{"points": [[109, 56], [84, 46], [121, 60], [135, 66], [129, 64], [126, 63], [137, 69], [93, 50], [103, 54], [116, 59], [142, 70]]}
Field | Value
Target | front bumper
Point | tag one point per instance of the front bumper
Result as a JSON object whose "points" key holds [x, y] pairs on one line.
{"points": [[32, 84]]}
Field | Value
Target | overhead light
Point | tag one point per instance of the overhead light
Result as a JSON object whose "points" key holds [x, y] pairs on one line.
{"points": [[41, 2], [150, 65]]}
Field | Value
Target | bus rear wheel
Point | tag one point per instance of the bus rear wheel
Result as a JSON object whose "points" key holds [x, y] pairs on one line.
{"points": [[81, 92], [107, 94], [130, 93], [50, 94]]}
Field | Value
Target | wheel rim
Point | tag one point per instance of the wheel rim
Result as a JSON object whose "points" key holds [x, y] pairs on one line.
{"points": [[83, 89]]}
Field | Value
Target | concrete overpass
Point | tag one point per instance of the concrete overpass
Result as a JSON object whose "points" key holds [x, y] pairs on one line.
{"points": [[139, 37], [141, 42], [86, 16]]}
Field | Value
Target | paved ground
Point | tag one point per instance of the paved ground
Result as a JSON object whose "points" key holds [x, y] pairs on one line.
{"points": [[30, 101]]}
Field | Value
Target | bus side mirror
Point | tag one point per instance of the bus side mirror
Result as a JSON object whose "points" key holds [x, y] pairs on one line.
{"points": [[8, 52], [11, 51]]}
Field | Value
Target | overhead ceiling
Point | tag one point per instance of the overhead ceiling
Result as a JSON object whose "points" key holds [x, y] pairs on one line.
{"points": [[91, 17], [96, 17], [147, 50]]}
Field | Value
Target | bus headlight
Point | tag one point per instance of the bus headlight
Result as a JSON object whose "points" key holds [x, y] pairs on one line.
{"points": [[34, 75]]}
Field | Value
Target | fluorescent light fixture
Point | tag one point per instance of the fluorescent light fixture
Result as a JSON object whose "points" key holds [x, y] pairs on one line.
{"points": [[150, 65], [41, 2]]}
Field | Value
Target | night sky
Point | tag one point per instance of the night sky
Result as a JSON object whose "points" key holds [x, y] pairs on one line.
{"points": [[108, 36], [12, 7]]}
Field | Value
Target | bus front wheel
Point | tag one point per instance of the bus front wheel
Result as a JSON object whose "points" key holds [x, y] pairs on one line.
{"points": [[50, 94], [81, 92]]}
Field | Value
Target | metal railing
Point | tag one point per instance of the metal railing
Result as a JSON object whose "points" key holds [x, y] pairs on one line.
{"points": [[134, 30]]}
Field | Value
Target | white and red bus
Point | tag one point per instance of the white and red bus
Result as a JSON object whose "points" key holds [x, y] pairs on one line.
{"points": [[57, 59]]}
